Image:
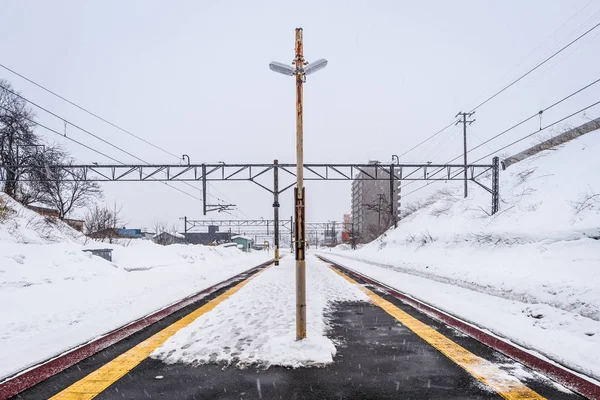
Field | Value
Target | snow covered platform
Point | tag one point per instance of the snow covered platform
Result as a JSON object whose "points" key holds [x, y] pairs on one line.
{"points": [[239, 343]]}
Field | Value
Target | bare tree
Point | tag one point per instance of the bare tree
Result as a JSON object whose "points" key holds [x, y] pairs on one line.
{"points": [[101, 217], [17, 139], [164, 234], [586, 201], [33, 173], [64, 189], [384, 217]]}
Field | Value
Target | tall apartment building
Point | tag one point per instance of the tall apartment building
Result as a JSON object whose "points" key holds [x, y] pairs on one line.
{"points": [[371, 214]]}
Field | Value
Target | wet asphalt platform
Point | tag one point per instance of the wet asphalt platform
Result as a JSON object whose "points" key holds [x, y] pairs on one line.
{"points": [[378, 358]]}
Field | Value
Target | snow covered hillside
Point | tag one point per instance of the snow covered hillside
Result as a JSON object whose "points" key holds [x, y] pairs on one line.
{"points": [[55, 296], [530, 273]]}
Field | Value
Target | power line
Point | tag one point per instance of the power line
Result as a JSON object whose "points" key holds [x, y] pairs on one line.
{"points": [[71, 124], [91, 134], [101, 119], [94, 150], [88, 111], [536, 67], [429, 138], [534, 115], [513, 143], [545, 127], [441, 145], [511, 83], [520, 123], [548, 38], [66, 137]]}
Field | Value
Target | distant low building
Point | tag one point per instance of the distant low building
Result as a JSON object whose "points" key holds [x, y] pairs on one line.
{"points": [[245, 242], [207, 238], [117, 233], [76, 224], [47, 212], [166, 238], [148, 235]]}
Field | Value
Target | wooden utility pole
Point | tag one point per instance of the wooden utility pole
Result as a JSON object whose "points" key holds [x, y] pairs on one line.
{"points": [[465, 121]]}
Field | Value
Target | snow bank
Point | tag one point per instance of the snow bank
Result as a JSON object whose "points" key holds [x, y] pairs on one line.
{"points": [[552, 196], [56, 296], [257, 324], [530, 273]]}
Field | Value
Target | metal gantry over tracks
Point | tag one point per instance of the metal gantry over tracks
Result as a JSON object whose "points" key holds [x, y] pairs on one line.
{"points": [[255, 173], [204, 173], [258, 174]]}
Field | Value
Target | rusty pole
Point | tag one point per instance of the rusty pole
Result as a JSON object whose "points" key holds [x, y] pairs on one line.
{"points": [[300, 199]]}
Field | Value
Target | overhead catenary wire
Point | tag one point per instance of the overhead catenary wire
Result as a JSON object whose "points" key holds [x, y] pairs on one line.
{"points": [[550, 37], [94, 150], [71, 124], [512, 143], [66, 137], [535, 132], [103, 120], [93, 135], [536, 67], [88, 111], [536, 114], [512, 83], [429, 138]]}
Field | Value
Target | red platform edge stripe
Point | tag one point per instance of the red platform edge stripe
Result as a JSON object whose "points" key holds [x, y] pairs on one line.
{"points": [[559, 374], [25, 380]]}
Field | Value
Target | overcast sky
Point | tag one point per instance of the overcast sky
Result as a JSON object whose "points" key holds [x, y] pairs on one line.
{"points": [[192, 77]]}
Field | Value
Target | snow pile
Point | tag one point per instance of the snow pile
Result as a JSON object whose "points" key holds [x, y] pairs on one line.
{"points": [[56, 296], [22, 225], [257, 324], [157, 256], [552, 196], [530, 273]]}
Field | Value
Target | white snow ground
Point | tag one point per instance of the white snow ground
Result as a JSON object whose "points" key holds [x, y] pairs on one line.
{"points": [[55, 296], [257, 324], [531, 273]]}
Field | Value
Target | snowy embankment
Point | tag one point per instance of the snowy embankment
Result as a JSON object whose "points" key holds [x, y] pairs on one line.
{"points": [[56, 297], [257, 324], [530, 273]]}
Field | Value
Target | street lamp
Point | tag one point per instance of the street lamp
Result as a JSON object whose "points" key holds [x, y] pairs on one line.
{"points": [[300, 72]]}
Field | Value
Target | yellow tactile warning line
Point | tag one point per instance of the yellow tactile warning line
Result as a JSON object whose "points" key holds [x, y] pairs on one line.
{"points": [[485, 371], [99, 380]]}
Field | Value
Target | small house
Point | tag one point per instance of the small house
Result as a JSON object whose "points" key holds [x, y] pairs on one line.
{"points": [[166, 238], [244, 242]]}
